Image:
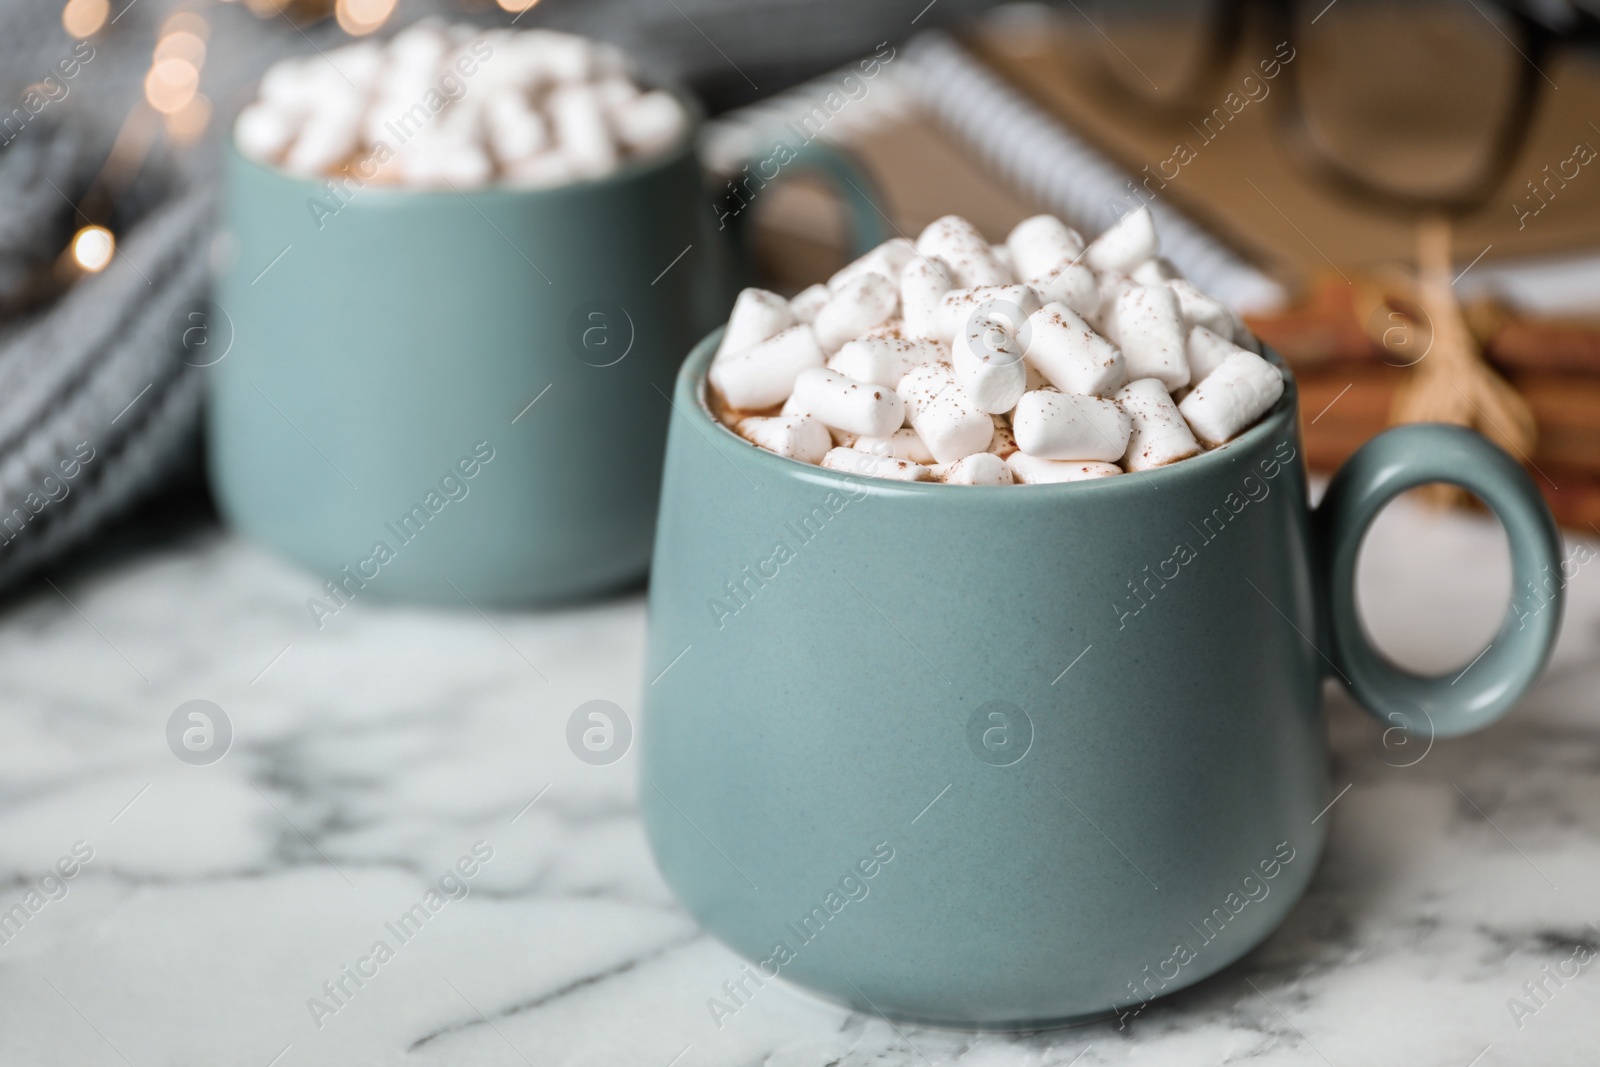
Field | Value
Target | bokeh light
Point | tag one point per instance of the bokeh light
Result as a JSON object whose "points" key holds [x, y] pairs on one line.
{"points": [[187, 123], [184, 45], [171, 84], [516, 5], [186, 22], [92, 248], [82, 18], [358, 17]]}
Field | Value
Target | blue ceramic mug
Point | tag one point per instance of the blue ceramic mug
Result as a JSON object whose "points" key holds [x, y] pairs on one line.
{"points": [[1017, 756], [434, 394]]}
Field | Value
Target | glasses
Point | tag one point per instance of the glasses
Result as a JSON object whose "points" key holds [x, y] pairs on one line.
{"points": [[1409, 108]]}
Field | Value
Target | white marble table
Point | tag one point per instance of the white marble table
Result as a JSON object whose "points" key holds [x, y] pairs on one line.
{"points": [[370, 757]]}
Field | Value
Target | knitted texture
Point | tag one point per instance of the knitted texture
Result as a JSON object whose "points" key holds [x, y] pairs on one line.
{"points": [[97, 406]]}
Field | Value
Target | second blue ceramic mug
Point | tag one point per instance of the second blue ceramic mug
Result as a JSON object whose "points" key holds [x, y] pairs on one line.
{"points": [[437, 394], [1016, 756]]}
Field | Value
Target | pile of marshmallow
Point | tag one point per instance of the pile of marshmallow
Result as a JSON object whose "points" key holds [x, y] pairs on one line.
{"points": [[440, 106], [951, 359]]}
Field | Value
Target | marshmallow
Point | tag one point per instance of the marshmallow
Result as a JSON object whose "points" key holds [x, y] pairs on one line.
{"points": [[516, 131], [413, 56], [1052, 425], [1232, 397], [508, 66], [1156, 270], [846, 404], [798, 437], [517, 62], [807, 302], [1206, 353], [1148, 326], [1002, 256], [405, 83], [988, 361], [888, 259], [888, 330], [757, 315], [543, 171], [538, 109], [1160, 436], [615, 92], [860, 305], [923, 284], [1126, 245], [264, 130], [902, 444], [1008, 305], [358, 64], [388, 112], [971, 261], [893, 370], [1031, 470], [1069, 353], [328, 138], [870, 466], [648, 122], [581, 129], [1034, 378], [1073, 285], [980, 468], [1198, 309], [296, 84], [442, 160], [1108, 288], [946, 419], [796, 406], [763, 374], [1041, 246], [420, 45], [463, 122], [884, 360], [566, 58]]}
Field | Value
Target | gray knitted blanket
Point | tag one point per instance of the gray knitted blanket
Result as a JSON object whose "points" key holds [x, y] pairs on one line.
{"points": [[97, 407]]}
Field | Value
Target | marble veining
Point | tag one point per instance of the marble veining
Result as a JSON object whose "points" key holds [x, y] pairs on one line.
{"points": [[227, 913]]}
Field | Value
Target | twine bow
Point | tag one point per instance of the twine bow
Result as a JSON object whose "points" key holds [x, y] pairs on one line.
{"points": [[1451, 381]]}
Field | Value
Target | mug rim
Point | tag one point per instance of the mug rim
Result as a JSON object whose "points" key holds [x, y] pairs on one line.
{"points": [[692, 386], [392, 195]]}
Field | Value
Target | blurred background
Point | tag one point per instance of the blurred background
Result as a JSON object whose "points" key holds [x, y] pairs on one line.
{"points": [[1297, 155]]}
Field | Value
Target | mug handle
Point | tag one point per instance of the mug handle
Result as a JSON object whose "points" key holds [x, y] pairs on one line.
{"points": [[868, 225], [857, 191], [1386, 466]]}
